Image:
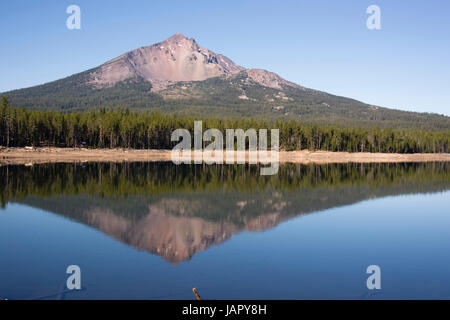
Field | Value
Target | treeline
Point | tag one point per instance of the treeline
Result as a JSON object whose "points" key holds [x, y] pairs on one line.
{"points": [[155, 179], [113, 128]]}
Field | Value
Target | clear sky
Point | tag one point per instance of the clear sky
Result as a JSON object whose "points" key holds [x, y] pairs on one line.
{"points": [[321, 44]]}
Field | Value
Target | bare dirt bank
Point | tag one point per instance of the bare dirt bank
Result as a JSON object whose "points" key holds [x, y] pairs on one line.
{"points": [[52, 155]]}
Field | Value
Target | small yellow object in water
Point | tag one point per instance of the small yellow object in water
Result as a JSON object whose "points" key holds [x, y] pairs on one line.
{"points": [[196, 294]]}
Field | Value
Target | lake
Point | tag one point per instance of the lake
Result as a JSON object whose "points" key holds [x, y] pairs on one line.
{"points": [[156, 230]]}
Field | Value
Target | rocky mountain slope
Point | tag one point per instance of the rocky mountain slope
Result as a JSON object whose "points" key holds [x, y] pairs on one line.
{"points": [[176, 59]]}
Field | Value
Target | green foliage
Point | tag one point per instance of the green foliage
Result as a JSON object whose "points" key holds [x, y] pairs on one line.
{"points": [[111, 128], [310, 187], [221, 97], [72, 94]]}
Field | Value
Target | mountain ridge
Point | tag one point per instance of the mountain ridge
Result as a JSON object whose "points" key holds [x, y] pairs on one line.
{"points": [[178, 76], [175, 59]]}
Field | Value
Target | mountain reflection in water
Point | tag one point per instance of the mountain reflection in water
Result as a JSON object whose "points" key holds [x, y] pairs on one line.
{"points": [[176, 211]]}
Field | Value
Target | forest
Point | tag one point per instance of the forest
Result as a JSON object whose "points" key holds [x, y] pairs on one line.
{"points": [[122, 128], [153, 180]]}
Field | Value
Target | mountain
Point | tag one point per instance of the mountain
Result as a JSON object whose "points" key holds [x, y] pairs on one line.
{"points": [[175, 59], [179, 76]]}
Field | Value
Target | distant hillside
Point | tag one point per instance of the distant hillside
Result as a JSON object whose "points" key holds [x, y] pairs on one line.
{"points": [[178, 76]]}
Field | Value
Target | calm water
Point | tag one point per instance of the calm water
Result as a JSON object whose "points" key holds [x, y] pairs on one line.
{"points": [[156, 230]]}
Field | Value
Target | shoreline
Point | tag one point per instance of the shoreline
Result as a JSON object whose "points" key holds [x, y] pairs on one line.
{"points": [[29, 156]]}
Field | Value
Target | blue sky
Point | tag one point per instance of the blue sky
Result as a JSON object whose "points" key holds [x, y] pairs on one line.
{"points": [[321, 44]]}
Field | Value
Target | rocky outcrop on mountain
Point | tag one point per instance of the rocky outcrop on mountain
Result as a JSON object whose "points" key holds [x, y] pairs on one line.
{"points": [[270, 79], [175, 59]]}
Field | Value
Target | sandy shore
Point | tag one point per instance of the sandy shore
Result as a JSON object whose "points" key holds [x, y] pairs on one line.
{"points": [[52, 155]]}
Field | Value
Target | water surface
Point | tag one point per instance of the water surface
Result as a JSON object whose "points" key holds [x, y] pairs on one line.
{"points": [[156, 230]]}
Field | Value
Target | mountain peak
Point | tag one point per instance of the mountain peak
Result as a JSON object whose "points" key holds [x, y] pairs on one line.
{"points": [[177, 36], [175, 59]]}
